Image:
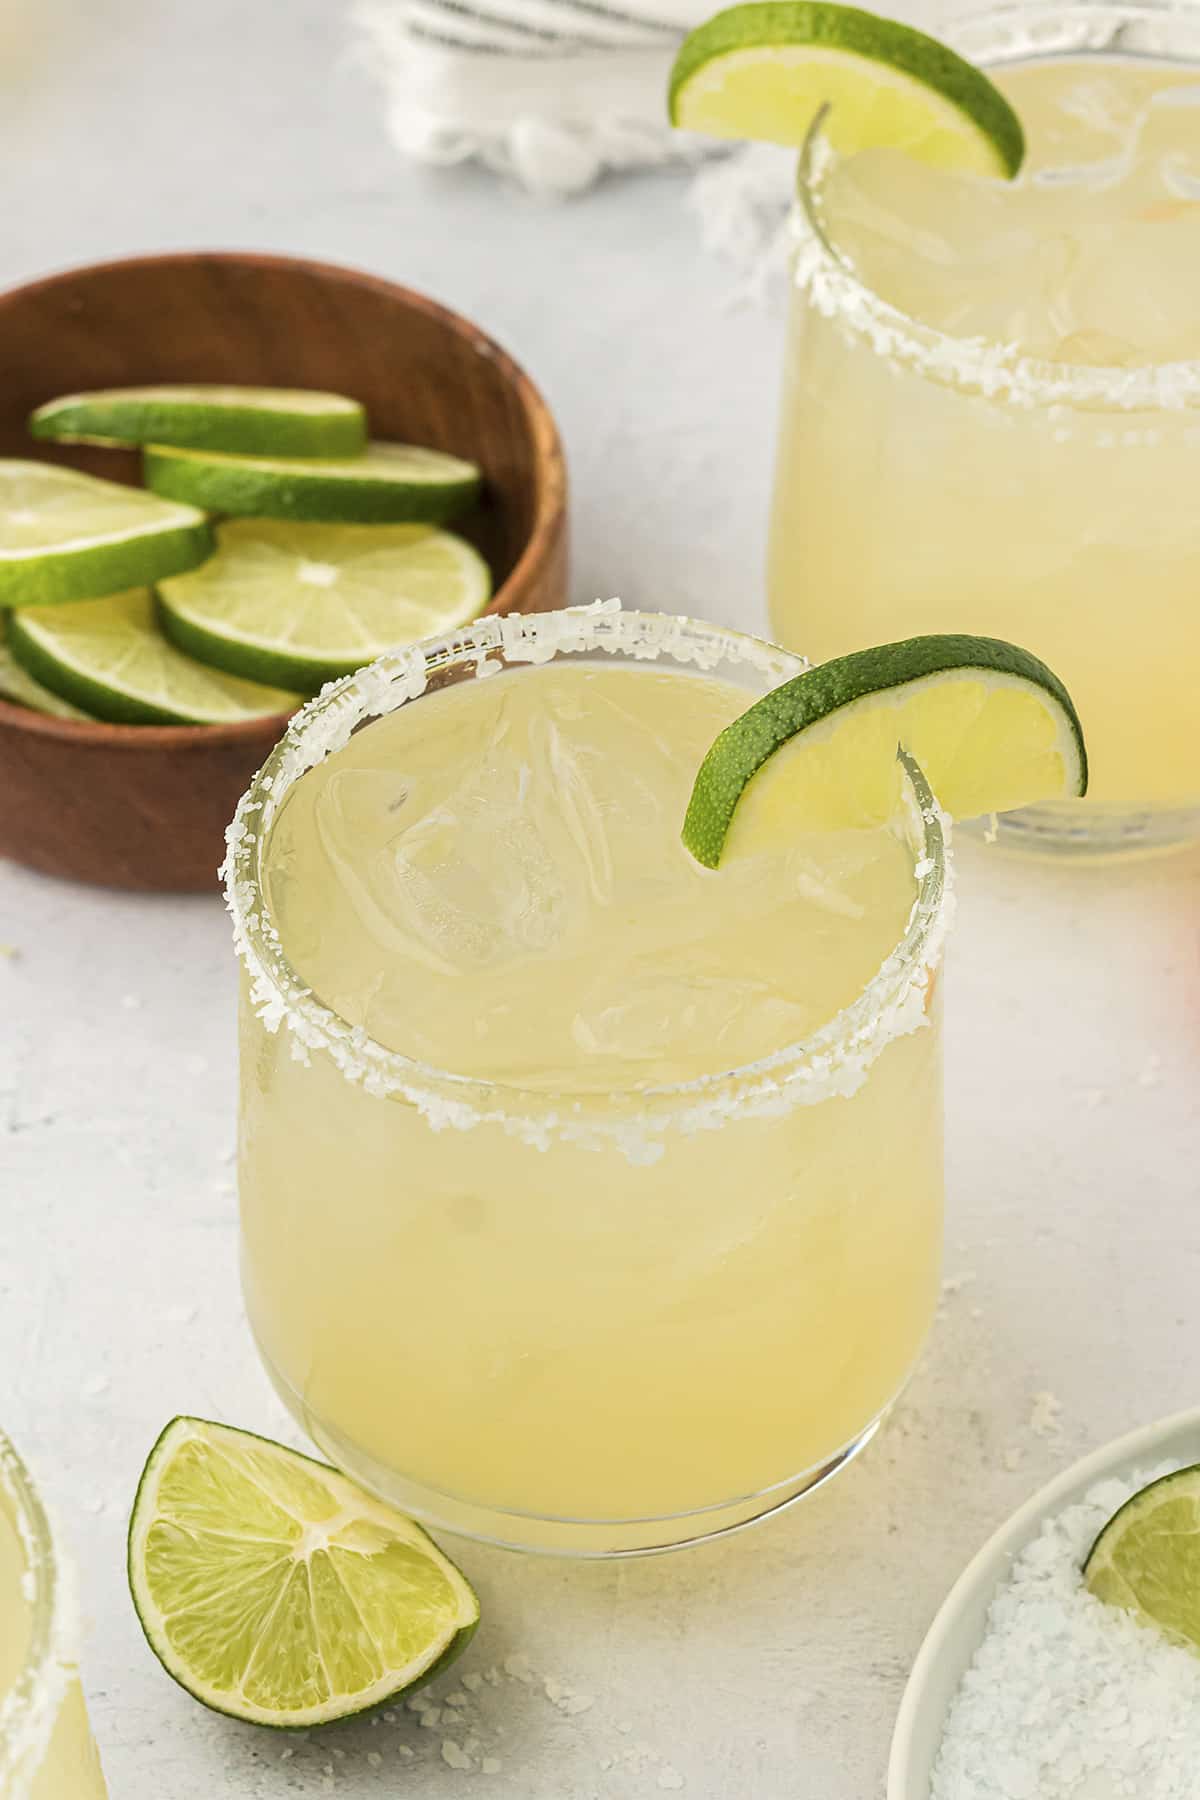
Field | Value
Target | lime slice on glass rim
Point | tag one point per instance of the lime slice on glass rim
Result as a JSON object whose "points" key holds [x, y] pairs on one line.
{"points": [[253, 421], [110, 658], [764, 71], [991, 727], [387, 484], [301, 604], [1146, 1561], [275, 1590], [66, 536]]}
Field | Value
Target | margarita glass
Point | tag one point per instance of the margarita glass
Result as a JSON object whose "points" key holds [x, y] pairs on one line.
{"points": [[46, 1748], [991, 407], [591, 1199]]}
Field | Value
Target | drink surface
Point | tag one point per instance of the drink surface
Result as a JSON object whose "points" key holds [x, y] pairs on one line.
{"points": [[910, 497], [69, 1768], [492, 881], [1090, 257]]}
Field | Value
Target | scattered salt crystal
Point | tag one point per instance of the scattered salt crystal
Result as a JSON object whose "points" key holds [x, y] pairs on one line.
{"points": [[454, 1755], [418, 1703], [374, 1759], [624, 1726], [1067, 1698], [284, 1754], [406, 1752], [554, 1689], [670, 1778], [574, 1704], [491, 1765], [954, 1284], [431, 1718], [518, 1667], [471, 1682], [1045, 1418], [492, 1677], [457, 1698]]}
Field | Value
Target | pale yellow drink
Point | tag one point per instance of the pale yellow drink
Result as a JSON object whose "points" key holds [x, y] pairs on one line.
{"points": [[991, 411], [588, 1276], [46, 1748]]}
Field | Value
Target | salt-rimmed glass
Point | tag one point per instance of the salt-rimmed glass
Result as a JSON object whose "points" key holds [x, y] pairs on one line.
{"points": [[830, 1150], [46, 1749], [927, 482]]}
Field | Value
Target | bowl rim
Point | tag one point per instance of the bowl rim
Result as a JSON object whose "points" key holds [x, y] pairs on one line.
{"points": [[550, 496], [990, 1563]]}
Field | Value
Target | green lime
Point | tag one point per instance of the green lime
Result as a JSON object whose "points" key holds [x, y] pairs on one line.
{"points": [[273, 1589], [252, 421], [67, 536], [109, 657], [991, 727], [388, 484], [22, 690], [300, 604], [1147, 1558], [763, 71]]}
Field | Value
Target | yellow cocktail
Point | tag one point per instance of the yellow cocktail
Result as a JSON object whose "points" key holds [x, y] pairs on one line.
{"points": [[991, 410], [591, 1199], [46, 1748]]}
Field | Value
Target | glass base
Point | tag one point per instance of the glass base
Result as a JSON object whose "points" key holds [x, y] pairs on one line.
{"points": [[1081, 830], [588, 1538]]}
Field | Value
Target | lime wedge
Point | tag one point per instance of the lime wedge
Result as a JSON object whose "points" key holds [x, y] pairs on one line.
{"points": [[273, 1589], [253, 421], [109, 657], [763, 72], [22, 690], [991, 727], [388, 484], [1147, 1559], [300, 604], [66, 536]]}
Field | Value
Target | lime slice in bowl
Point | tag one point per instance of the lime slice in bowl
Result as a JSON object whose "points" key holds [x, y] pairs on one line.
{"points": [[66, 536], [301, 604], [763, 72], [387, 484], [990, 725], [251, 421], [1146, 1561], [275, 1590], [19, 687], [110, 658]]}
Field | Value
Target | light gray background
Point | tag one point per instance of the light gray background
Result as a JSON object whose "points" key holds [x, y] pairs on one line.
{"points": [[769, 1665]]}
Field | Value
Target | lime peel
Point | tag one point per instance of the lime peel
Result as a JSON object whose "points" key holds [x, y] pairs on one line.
{"points": [[275, 1590], [989, 724], [762, 71]]}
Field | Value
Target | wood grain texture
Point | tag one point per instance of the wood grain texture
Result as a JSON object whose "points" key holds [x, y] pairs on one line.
{"points": [[146, 807]]}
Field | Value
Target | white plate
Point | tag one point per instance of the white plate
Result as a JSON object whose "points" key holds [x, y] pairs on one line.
{"points": [[957, 1631]]}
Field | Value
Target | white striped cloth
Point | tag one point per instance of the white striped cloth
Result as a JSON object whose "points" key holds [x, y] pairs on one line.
{"points": [[549, 92], [553, 93]]}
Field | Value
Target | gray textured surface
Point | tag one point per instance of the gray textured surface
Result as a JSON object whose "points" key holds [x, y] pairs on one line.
{"points": [[768, 1666]]}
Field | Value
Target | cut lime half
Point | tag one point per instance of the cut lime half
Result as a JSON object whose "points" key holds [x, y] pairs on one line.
{"points": [[301, 604], [273, 1589], [67, 536], [253, 421], [763, 72], [388, 484], [109, 657], [990, 725], [1147, 1559]]}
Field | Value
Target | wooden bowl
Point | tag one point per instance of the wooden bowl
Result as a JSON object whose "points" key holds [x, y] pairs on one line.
{"points": [[146, 806]]}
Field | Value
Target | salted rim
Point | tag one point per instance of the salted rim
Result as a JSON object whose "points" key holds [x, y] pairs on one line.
{"points": [[833, 1060], [30, 1709], [989, 367]]}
